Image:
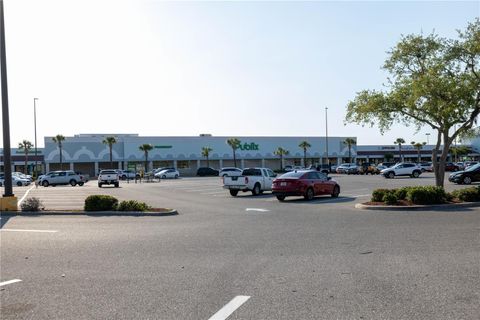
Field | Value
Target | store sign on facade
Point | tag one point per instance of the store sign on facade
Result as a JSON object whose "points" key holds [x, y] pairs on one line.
{"points": [[249, 147]]}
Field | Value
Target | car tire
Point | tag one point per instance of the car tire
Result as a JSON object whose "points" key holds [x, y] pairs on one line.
{"points": [[80, 184], [233, 193], [467, 180], [124, 177], [335, 192], [19, 184], [176, 176], [256, 189], [164, 177], [99, 185], [45, 183], [309, 194], [415, 174], [1, 184], [281, 198], [117, 185], [391, 175], [73, 183]]}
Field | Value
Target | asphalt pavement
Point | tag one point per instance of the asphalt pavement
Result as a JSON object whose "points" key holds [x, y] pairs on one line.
{"points": [[245, 257]]}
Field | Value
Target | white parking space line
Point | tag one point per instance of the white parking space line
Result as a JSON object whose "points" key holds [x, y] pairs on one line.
{"points": [[24, 196], [257, 209], [229, 308], [26, 230], [9, 282]]}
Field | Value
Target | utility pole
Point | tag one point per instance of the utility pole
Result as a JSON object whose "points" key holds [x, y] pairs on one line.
{"points": [[7, 156], [35, 126], [326, 136]]}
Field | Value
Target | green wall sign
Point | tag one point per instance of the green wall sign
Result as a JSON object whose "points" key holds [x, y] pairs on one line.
{"points": [[249, 147], [162, 147]]}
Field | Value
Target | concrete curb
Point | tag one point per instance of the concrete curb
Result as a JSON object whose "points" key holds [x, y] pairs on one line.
{"points": [[172, 212], [362, 206]]}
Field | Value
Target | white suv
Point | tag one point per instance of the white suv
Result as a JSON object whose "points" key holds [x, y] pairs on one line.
{"points": [[402, 169], [231, 172]]}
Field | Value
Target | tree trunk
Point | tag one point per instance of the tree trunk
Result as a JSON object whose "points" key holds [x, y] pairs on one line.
{"points": [[61, 164], [234, 158], [419, 160], [439, 166], [111, 162], [146, 162], [25, 171], [349, 153], [281, 162], [208, 163], [305, 158], [400, 152]]}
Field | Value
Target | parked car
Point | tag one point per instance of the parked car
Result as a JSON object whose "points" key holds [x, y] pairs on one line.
{"points": [[343, 167], [352, 169], [324, 168], [304, 183], [22, 176], [167, 174], [255, 180], [402, 169], [366, 168], [460, 165], [108, 177], [470, 163], [16, 181], [205, 171], [162, 168], [385, 165], [60, 178], [469, 175], [230, 171], [425, 166], [450, 166], [127, 174]]}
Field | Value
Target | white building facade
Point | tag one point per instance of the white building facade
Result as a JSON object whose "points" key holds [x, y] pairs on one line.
{"points": [[88, 154]]}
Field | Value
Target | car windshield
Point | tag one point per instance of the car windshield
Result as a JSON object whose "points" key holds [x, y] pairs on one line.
{"points": [[252, 172], [107, 172], [473, 168]]}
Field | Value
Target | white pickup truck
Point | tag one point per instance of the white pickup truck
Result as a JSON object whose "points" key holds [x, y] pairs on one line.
{"points": [[255, 180], [108, 177]]}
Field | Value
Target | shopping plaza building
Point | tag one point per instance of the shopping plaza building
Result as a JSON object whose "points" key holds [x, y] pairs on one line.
{"points": [[88, 154]]}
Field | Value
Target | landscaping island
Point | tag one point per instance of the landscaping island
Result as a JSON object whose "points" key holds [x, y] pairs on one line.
{"points": [[422, 197]]}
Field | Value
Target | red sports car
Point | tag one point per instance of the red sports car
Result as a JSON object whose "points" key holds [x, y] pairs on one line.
{"points": [[304, 183]]}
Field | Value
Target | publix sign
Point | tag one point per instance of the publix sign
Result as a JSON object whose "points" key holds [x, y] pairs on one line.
{"points": [[248, 146]]}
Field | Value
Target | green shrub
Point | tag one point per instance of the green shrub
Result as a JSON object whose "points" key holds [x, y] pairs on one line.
{"points": [[32, 205], [471, 194], [378, 194], [100, 203], [390, 198], [402, 193], [133, 205], [426, 195]]}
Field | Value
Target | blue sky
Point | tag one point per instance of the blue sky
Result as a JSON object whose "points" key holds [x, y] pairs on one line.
{"points": [[225, 68]]}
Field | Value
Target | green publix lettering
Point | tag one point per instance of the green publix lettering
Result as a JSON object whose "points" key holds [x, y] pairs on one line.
{"points": [[249, 146]]}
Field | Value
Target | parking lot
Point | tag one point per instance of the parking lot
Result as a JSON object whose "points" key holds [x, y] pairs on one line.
{"points": [[254, 256]]}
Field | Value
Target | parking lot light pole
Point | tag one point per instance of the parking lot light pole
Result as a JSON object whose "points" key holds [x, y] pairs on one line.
{"points": [[326, 136], [7, 156], [35, 126]]}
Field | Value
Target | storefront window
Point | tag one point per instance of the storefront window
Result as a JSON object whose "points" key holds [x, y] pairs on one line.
{"points": [[183, 164]]}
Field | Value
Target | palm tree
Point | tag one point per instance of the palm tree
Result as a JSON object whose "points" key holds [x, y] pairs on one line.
{"points": [[305, 145], [206, 153], [349, 142], [418, 146], [399, 141], [234, 143], [281, 152], [145, 148], [110, 141], [26, 146], [58, 140]]}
